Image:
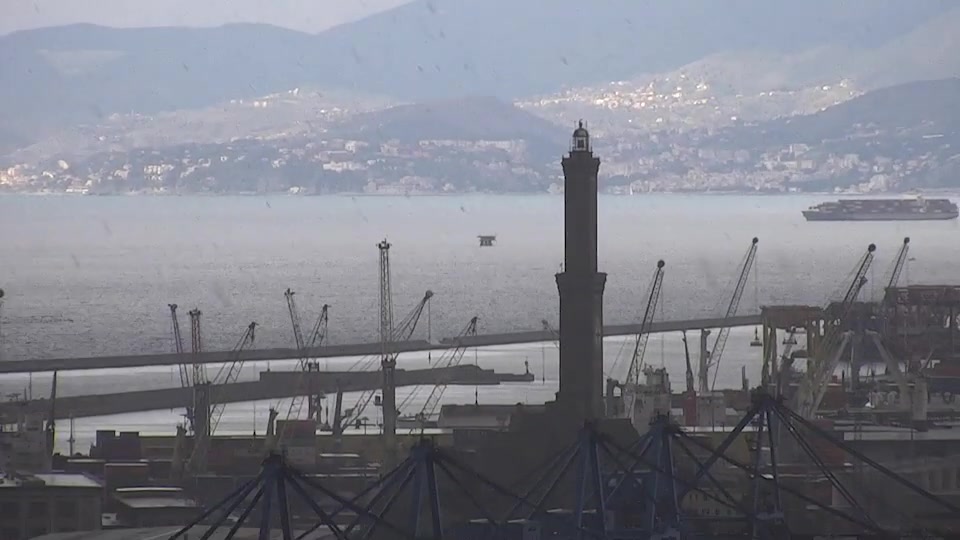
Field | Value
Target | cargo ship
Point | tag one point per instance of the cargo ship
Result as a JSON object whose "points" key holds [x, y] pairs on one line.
{"points": [[913, 209]]}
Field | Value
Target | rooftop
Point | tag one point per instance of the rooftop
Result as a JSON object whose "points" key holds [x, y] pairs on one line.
{"points": [[157, 501]]}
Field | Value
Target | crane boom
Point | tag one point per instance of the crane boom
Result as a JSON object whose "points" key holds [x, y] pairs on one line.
{"points": [[178, 346], [227, 374], [713, 360], [691, 385], [640, 346], [319, 333], [898, 264], [820, 367], [295, 320], [317, 336], [453, 359]]}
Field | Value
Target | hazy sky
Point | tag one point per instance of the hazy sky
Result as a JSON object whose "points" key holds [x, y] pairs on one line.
{"points": [[306, 15]]}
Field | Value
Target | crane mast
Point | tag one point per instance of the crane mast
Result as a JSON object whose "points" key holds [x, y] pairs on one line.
{"points": [[640, 346], [198, 415], [820, 368], [388, 360], [713, 359], [199, 374]]}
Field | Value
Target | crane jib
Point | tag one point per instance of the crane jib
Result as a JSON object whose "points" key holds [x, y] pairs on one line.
{"points": [[720, 343]]}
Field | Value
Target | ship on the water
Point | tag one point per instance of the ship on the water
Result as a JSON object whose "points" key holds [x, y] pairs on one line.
{"points": [[913, 209]]}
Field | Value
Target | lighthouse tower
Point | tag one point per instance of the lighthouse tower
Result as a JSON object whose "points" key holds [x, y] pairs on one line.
{"points": [[581, 286]]}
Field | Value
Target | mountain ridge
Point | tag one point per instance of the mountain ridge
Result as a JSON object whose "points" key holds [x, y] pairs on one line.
{"points": [[423, 50]]}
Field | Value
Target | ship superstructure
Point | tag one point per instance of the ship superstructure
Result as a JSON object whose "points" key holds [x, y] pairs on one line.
{"points": [[911, 209]]}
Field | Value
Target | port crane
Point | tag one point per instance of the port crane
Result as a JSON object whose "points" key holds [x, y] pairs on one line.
{"points": [[712, 360], [211, 404], [691, 383], [317, 337], [821, 366], [199, 371], [640, 345], [176, 461], [901, 378], [183, 367], [401, 333], [448, 360], [178, 347], [786, 362], [893, 275]]}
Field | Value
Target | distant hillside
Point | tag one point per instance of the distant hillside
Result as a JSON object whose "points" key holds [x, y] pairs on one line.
{"points": [[509, 49], [905, 135], [427, 49], [926, 53], [467, 119], [925, 107]]}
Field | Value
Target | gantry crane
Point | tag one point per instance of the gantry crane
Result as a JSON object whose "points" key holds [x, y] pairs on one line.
{"points": [[449, 359], [712, 361], [214, 406], [821, 366], [632, 381]]}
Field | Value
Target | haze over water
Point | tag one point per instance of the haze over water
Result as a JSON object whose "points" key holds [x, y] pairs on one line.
{"points": [[93, 275]]}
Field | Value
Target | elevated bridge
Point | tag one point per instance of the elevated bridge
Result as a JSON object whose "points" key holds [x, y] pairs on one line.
{"points": [[355, 349]]}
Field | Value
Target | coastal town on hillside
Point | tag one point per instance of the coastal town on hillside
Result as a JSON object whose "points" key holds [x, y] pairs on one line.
{"points": [[665, 135]]}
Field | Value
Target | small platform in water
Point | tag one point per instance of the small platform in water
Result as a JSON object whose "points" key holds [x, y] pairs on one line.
{"points": [[487, 240]]}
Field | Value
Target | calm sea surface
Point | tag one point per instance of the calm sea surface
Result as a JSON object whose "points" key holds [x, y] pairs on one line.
{"points": [[93, 275]]}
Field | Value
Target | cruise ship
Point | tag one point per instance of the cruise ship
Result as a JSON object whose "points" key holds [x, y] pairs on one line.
{"points": [[912, 209]]}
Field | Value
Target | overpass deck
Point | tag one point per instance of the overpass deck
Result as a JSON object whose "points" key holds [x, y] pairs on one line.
{"points": [[355, 349]]}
